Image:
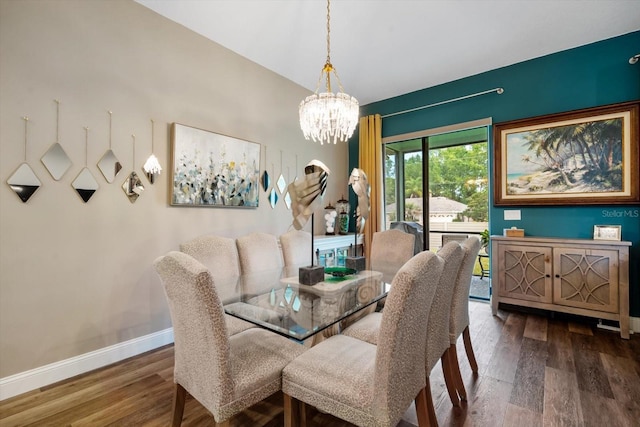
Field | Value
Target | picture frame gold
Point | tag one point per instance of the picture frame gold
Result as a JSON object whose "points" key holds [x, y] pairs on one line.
{"points": [[582, 157], [607, 232], [213, 170]]}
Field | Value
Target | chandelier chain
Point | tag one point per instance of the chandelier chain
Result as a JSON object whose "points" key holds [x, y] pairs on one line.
{"points": [[328, 33]]}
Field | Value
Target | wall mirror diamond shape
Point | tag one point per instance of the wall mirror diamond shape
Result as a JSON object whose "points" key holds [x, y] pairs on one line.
{"points": [[24, 182]]}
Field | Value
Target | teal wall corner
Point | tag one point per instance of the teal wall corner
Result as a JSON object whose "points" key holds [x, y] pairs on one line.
{"points": [[593, 75]]}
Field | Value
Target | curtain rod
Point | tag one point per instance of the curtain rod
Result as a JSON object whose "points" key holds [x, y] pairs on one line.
{"points": [[498, 90]]}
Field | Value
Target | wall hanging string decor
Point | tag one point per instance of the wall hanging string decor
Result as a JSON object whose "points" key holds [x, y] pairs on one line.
{"points": [[266, 180], [132, 186], [55, 159], [109, 164], [281, 182], [273, 194], [287, 196], [152, 166], [85, 183], [24, 181]]}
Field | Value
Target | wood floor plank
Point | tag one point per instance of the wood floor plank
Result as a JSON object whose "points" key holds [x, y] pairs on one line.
{"points": [[93, 390], [559, 348], [124, 408], [598, 411], [561, 399], [485, 330], [488, 405], [504, 360], [625, 383], [88, 407], [580, 328], [528, 385], [66, 387], [590, 371], [536, 328], [521, 417]]}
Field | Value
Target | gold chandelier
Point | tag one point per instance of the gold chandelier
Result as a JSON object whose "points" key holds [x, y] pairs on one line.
{"points": [[328, 116]]}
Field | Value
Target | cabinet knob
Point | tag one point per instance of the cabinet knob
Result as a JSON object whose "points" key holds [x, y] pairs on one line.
{"points": [[547, 275], [558, 276]]}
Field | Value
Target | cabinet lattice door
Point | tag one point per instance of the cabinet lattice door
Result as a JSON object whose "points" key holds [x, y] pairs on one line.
{"points": [[586, 279], [526, 273]]}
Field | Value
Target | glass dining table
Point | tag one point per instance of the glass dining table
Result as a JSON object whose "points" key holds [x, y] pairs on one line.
{"points": [[277, 301]]}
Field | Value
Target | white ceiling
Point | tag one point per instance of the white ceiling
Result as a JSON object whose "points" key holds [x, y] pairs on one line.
{"points": [[385, 48]]}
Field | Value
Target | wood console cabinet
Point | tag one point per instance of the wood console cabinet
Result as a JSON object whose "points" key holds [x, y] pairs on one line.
{"points": [[578, 276]]}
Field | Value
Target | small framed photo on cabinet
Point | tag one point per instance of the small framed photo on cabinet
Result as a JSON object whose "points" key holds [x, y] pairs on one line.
{"points": [[607, 232]]}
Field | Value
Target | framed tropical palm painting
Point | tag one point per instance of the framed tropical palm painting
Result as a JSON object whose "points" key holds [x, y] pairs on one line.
{"points": [[575, 158]]}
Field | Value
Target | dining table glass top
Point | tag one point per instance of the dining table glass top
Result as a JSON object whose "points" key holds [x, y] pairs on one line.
{"points": [[277, 301]]}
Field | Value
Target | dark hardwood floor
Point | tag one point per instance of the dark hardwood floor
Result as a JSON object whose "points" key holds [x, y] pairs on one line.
{"points": [[533, 371]]}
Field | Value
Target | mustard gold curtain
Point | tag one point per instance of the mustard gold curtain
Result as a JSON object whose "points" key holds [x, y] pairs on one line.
{"points": [[370, 161]]}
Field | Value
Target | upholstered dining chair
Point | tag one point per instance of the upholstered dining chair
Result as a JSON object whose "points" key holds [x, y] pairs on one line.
{"points": [[362, 383], [459, 315], [226, 374], [259, 252], [296, 250], [390, 249], [220, 255], [437, 336], [260, 260]]}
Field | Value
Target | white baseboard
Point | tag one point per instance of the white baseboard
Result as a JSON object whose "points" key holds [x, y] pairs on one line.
{"points": [[634, 324], [39, 377]]}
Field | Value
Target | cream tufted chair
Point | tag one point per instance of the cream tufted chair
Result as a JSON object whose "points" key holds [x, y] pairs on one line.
{"points": [[226, 374], [459, 318], [220, 256], [437, 334], [362, 383], [296, 250]]}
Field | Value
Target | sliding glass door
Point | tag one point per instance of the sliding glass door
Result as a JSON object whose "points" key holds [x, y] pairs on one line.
{"points": [[443, 198]]}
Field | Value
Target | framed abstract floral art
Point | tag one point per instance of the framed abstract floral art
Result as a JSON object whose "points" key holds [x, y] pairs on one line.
{"points": [[213, 170]]}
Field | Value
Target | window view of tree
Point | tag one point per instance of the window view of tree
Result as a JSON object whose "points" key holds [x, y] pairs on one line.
{"points": [[460, 174], [390, 177], [413, 175]]}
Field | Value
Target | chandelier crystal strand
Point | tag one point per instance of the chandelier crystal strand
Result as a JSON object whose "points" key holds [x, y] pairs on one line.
{"points": [[329, 117]]}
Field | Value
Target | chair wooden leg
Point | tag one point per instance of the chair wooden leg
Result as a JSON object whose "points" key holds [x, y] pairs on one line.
{"points": [[421, 408], [449, 378], [431, 410], [302, 411], [179, 396], [291, 411], [469, 349], [457, 376]]}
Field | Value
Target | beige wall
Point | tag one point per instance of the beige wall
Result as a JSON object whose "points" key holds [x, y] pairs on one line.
{"points": [[77, 277]]}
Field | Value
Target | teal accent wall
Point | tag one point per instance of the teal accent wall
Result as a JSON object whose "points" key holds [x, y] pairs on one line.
{"points": [[587, 76]]}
